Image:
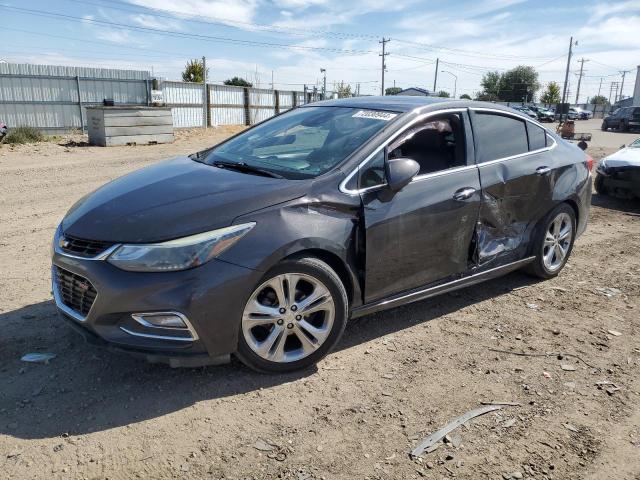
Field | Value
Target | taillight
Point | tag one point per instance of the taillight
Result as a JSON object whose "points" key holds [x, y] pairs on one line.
{"points": [[589, 162]]}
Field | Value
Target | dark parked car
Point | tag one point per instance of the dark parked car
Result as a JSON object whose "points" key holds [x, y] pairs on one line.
{"points": [[618, 174], [265, 245], [526, 110], [623, 119]]}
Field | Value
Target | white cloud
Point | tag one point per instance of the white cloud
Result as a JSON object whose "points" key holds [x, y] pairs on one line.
{"points": [[229, 10], [158, 23]]}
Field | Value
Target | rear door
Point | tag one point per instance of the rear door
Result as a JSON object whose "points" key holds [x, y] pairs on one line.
{"points": [[423, 233], [515, 174]]}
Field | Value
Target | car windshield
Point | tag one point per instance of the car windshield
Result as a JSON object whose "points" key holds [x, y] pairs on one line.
{"points": [[302, 143], [635, 144]]}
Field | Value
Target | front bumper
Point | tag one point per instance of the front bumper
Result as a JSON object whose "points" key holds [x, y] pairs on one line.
{"points": [[623, 182], [210, 297]]}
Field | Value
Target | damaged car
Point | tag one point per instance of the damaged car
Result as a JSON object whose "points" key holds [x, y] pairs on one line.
{"points": [[265, 245], [618, 174]]}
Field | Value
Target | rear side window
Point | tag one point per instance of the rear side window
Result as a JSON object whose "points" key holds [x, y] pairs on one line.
{"points": [[537, 137], [499, 136]]}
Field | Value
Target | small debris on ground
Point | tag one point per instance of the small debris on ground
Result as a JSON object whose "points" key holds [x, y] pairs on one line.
{"points": [[38, 357]]}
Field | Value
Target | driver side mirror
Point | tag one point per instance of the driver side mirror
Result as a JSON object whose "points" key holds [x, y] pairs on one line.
{"points": [[400, 172]]}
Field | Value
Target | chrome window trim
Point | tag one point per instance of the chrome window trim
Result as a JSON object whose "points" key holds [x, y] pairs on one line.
{"points": [[57, 298], [139, 317], [343, 185], [517, 117], [102, 256]]}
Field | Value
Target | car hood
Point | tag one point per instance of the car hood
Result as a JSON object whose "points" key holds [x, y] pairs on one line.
{"points": [[627, 157], [173, 199]]}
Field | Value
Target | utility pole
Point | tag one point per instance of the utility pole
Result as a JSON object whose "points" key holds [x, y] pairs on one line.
{"points": [[324, 83], [611, 92], [581, 61], [600, 87], [435, 79], [624, 73], [615, 95], [566, 75], [204, 93], [384, 42], [272, 80]]}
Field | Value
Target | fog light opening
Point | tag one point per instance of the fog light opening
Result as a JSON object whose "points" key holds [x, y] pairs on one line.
{"points": [[161, 320]]}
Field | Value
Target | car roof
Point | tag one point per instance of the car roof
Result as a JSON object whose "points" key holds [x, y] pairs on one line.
{"points": [[405, 103]]}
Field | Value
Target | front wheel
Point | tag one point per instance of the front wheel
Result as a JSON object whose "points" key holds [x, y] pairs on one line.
{"points": [[604, 127], [599, 185], [553, 242], [293, 318]]}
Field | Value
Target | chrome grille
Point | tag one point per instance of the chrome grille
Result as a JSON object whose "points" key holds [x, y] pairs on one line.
{"points": [[81, 247], [75, 291]]}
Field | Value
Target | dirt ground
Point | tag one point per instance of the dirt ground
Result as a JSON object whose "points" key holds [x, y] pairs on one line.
{"points": [[395, 377]]}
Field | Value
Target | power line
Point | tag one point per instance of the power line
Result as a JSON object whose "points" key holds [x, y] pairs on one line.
{"points": [[172, 33], [225, 21]]}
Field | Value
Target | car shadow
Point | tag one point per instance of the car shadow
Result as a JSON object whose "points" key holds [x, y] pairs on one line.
{"points": [[612, 203], [87, 389]]}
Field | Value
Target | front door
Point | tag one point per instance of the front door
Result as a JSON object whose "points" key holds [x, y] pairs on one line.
{"points": [[423, 233]]}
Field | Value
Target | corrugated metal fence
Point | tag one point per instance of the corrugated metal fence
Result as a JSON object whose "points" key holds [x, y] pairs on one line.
{"points": [[54, 98], [227, 105]]}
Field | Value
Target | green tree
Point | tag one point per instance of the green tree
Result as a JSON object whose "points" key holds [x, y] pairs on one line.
{"points": [[343, 90], [515, 85], [238, 82], [599, 100], [392, 91], [194, 71], [519, 84], [464, 96], [552, 94], [490, 84], [443, 94]]}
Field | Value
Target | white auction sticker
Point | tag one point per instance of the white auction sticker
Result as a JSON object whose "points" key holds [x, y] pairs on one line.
{"points": [[375, 115]]}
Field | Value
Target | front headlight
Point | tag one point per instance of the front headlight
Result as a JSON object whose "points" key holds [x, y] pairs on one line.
{"points": [[179, 254]]}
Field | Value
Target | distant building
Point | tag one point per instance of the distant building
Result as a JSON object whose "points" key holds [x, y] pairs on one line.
{"points": [[415, 92]]}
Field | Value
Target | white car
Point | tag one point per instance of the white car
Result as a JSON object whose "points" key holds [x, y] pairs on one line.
{"points": [[619, 173], [581, 114]]}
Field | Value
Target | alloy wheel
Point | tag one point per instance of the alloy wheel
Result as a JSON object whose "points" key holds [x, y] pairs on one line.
{"points": [[288, 317], [557, 242]]}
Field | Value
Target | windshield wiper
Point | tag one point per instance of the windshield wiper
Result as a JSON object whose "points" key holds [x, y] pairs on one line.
{"points": [[245, 167]]}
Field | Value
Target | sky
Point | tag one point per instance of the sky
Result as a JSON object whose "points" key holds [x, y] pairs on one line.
{"points": [[291, 40]]}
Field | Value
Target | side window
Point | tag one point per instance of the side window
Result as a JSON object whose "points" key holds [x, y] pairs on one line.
{"points": [[436, 145], [537, 137], [499, 136], [373, 173]]}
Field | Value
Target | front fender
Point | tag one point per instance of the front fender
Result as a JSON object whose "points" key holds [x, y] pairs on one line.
{"points": [[302, 225]]}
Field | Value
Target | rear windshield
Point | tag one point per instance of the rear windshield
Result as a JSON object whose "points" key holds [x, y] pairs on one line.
{"points": [[304, 142]]}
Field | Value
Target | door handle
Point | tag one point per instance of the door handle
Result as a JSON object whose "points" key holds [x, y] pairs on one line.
{"points": [[542, 170], [464, 193]]}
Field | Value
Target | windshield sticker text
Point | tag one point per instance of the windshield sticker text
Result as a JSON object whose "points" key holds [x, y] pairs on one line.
{"points": [[374, 115]]}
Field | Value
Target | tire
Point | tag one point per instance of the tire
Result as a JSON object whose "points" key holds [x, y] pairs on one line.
{"points": [[541, 267], [604, 127], [599, 185], [275, 336]]}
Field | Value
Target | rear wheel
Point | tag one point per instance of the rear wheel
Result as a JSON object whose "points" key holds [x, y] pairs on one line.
{"points": [[293, 318], [553, 242]]}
